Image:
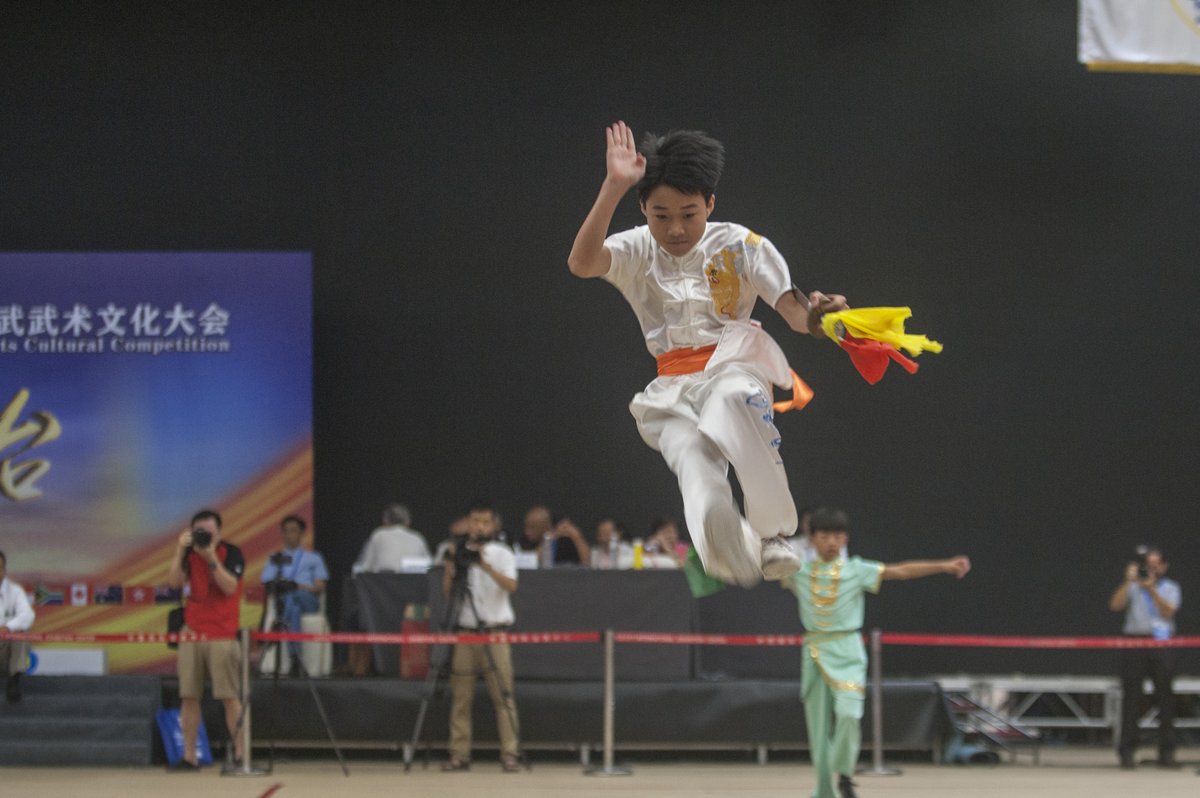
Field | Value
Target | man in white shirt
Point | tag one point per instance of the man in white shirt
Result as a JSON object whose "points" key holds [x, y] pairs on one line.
{"points": [[392, 543], [15, 616], [484, 606], [692, 285]]}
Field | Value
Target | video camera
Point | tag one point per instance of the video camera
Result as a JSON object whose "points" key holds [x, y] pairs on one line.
{"points": [[464, 556], [280, 586], [1143, 567]]}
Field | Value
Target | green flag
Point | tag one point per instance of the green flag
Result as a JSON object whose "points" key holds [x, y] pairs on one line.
{"points": [[699, 582]]}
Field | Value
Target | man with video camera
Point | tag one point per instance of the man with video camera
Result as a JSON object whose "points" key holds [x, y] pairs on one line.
{"points": [[212, 570], [479, 575], [298, 576], [1149, 601]]}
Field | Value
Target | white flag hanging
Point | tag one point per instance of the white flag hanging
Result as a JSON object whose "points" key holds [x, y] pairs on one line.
{"points": [[1140, 35]]}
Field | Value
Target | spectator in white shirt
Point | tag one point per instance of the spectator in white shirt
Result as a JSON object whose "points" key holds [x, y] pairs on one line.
{"points": [[15, 616]]}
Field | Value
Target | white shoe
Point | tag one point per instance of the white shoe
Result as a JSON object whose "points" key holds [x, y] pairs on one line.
{"points": [[730, 556], [778, 559]]}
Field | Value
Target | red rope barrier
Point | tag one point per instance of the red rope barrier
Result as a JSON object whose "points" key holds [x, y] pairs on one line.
{"points": [[124, 637], [431, 638], [1012, 641], [425, 638], [637, 638], [676, 639]]}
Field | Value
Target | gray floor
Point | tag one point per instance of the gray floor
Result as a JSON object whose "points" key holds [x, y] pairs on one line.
{"points": [[1064, 773]]}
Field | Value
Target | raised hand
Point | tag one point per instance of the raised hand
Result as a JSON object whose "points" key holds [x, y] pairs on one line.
{"points": [[626, 165], [958, 566]]}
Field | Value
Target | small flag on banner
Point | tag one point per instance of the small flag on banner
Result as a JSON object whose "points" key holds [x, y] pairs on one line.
{"points": [[167, 595], [107, 594], [48, 595], [139, 594], [79, 594]]}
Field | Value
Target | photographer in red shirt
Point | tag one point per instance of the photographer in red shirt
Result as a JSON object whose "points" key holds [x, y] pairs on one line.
{"points": [[212, 570]]}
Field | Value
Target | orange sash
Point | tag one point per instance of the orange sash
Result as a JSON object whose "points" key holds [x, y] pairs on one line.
{"points": [[678, 362]]}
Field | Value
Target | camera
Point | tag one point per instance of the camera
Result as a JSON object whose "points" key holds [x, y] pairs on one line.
{"points": [[280, 559], [1143, 568], [201, 538]]}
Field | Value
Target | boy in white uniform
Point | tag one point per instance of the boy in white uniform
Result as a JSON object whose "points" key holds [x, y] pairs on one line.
{"points": [[692, 284]]}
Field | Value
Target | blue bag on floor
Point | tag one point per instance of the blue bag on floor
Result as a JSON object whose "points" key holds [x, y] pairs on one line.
{"points": [[172, 737]]}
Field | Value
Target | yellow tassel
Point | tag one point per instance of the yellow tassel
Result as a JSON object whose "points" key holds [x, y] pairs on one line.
{"points": [[878, 324]]}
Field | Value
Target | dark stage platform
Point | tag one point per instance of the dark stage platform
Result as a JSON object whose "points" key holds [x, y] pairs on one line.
{"points": [[749, 714]]}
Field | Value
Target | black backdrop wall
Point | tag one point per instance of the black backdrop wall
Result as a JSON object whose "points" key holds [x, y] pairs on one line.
{"points": [[438, 158]]}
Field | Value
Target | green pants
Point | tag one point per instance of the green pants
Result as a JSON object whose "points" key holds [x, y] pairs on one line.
{"points": [[833, 700]]}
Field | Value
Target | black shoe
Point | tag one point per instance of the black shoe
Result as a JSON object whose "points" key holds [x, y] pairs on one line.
{"points": [[183, 766], [1127, 760], [846, 787], [1167, 761], [12, 690]]}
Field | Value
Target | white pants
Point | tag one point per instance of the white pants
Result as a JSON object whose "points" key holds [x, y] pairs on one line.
{"points": [[718, 419]]}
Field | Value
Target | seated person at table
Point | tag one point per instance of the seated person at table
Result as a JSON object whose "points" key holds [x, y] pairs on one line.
{"points": [[664, 549], [611, 550], [391, 544], [302, 574], [543, 534]]}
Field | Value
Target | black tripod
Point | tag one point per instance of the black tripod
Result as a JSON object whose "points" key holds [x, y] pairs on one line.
{"points": [[278, 589], [460, 596]]}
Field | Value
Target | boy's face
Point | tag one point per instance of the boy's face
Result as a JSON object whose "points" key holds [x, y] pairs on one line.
{"points": [[676, 219], [829, 543]]}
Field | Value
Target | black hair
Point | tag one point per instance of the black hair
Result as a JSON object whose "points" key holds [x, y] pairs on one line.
{"points": [[828, 519], [617, 525], [689, 161], [1147, 548], [481, 506], [659, 523], [294, 519], [204, 515]]}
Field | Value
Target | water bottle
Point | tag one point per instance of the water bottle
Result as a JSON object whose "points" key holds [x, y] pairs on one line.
{"points": [[638, 552], [547, 552]]}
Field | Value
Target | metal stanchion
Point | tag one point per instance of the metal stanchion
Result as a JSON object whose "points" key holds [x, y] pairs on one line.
{"points": [[877, 768], [245, 769], [610, 709]]}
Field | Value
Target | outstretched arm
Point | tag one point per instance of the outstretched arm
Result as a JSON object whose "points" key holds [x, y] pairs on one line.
{"points": [[626, 166], [803, 313], [915, 569]]}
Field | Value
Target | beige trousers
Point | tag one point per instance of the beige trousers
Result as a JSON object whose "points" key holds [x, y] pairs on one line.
{"points": [[468, 662], [14, 656]]}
